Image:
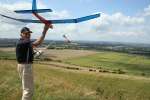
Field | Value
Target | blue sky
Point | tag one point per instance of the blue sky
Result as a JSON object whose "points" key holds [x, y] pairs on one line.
{"points": [[80, 7], [121, 20]]}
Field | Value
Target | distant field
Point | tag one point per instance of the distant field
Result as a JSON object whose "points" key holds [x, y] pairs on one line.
{"points": [[129, 63], [60, 84], [53, 54], [109, 61]]}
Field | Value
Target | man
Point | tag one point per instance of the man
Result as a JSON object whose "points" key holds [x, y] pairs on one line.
{"points": [[24, 55]]}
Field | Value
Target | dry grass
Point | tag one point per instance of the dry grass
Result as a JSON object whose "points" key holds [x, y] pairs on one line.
{"points": [[61, 84], [53, 83]]}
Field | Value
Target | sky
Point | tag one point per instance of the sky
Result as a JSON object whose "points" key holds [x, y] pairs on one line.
{"points": [[120, 21]]}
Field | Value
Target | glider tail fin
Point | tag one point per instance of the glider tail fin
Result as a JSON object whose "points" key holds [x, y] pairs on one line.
{"points": [[34, 5], [34, 9]]}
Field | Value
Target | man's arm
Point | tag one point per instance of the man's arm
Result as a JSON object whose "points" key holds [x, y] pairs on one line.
{"points": [[40, 40]]}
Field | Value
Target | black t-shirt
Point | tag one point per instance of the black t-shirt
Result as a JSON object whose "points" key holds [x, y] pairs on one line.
{"points": [[24, 51]]}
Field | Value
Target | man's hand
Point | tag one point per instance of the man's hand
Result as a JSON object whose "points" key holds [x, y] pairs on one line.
{"points": [[46, 27], [40, 40]]}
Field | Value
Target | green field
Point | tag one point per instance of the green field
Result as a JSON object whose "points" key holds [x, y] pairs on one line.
{"points": [[60, 84], [53, 83], [130, 64], [7, 55]]}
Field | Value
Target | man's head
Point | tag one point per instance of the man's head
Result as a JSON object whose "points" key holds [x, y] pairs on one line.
{"points": [[25, 33]]}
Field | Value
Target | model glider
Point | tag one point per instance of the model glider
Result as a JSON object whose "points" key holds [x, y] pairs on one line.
{"points": [[41, 19], [66, 39]]}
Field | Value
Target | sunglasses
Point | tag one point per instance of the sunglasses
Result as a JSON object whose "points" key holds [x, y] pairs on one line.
{"points": [[27, 33]]}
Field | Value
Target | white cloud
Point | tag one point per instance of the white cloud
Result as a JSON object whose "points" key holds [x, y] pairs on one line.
{"points": [[121, 27], [16, 6], [147, 11]]}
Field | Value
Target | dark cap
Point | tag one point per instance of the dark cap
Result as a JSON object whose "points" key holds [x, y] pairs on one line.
{"points": [[25, 30]]}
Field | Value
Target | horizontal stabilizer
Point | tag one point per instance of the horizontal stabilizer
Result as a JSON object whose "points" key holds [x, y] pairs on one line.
{"points": [[33, 11]]}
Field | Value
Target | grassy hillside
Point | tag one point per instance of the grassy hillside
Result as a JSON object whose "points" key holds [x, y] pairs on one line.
{"points": [[7, 55], [59, 84], [131, 64]]}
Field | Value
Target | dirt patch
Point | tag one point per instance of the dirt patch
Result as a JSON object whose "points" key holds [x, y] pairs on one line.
{"points": [[67, 54], [7, 49]]}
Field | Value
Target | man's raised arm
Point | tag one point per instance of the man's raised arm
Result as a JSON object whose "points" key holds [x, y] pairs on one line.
{"points": [[40, 40]]}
